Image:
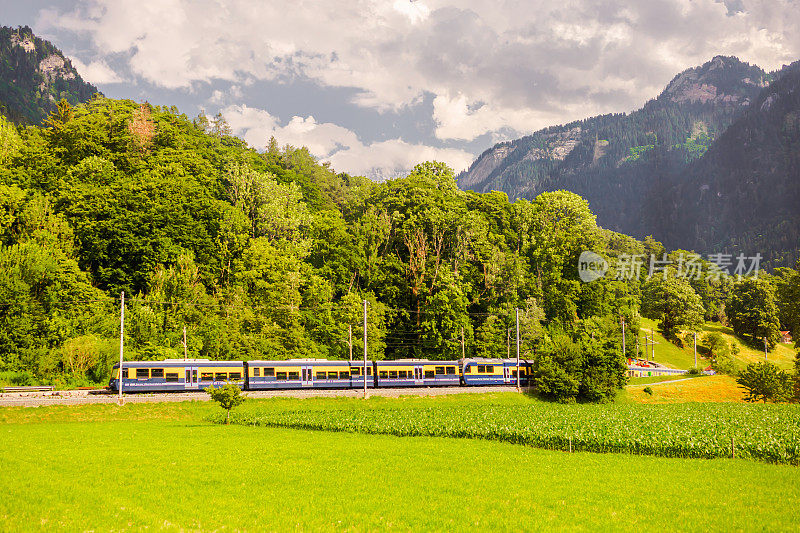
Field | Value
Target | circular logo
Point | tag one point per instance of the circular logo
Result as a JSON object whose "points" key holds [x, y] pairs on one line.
{"points": [[591, 266]]}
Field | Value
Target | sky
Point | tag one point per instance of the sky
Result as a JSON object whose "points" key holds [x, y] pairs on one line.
{"points": [[375, 87]]}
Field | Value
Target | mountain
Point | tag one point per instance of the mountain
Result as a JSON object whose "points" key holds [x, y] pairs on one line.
{"points": [[616, 161], [34, 76], [743, 195]]}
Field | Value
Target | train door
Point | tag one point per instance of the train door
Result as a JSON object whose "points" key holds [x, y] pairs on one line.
{"points": [[506, 375], [307, 376], [190, 381], [418, 375]]}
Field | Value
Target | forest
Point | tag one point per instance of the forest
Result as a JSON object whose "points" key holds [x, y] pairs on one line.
{"points": [[271, 254]]}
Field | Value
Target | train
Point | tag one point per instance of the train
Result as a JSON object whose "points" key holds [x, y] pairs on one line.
{"points": [[173, 375]]}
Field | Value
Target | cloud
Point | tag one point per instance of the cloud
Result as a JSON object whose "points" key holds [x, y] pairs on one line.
{"points": [[96, 72], [340, 146], [488, 66]]}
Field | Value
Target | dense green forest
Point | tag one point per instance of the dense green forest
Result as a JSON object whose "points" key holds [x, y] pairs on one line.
{"points": [[271, 254]]}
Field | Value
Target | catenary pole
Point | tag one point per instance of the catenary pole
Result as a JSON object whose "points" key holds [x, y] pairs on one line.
{"points": [[121, 340], [365, 348], [622, 319], [517, 314], [695, 349], [765, 348]]}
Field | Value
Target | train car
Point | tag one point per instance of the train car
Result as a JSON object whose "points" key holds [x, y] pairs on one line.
{"points": [[176, 375], [307, 374], [480, 371], [417, 373], [510, 372]]}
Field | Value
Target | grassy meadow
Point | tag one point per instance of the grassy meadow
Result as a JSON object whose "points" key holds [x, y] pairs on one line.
{"points": [[168, 466]]}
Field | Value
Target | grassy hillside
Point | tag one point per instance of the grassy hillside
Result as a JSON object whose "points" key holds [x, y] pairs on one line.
{"points": [[719, 388], [673, 356]]}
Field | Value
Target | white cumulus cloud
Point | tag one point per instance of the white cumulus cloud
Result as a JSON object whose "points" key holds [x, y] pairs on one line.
{"points": [[340, 146]]}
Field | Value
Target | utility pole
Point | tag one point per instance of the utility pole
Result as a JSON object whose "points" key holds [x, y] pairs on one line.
{"points": [[121, 341], [508, 343], [365, 349], [517, 313], [695, 349], [350, 342], [653, 340], [622, 319], [462, 343], [184, 343], [765, 348]]}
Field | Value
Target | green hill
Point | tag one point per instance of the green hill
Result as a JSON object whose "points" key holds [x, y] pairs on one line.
{"points": [[669, 354]]}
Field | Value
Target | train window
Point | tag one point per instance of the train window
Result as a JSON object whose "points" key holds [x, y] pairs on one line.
{"points": [[142, 373], [270, 372], [157, 373], [344, 375], [171, 376], [257, 372], [481, 369], [294, 375], [382, 374], [439, 370], [281, 376], [392, 374], [369, 370], [206, 376], [355, 371], [124, 373], [451, 370], [333, 375], [220, 376], [401, 374], [236, 376], [514, 373], [321, 375], [429, 374]]}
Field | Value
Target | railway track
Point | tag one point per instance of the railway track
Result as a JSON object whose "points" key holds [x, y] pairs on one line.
{"points": [[81, 397]]}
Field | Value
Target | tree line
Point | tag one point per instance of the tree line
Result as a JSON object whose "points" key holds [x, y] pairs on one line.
{"points": [[271, 254]]}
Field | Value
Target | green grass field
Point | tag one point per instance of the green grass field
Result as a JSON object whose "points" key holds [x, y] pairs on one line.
{"points": [[167, 467], [676, 357]]}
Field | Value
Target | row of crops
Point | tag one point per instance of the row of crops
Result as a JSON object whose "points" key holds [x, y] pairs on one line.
{"points": [[762, 432]]}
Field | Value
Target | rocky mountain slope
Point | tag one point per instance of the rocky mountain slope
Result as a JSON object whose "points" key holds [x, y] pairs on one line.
{"points": [[34, 76], [642, 172], [743, 195]]}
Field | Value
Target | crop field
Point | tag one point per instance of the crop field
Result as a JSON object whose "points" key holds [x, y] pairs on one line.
{"points": [[166, 466], [754, 431]]}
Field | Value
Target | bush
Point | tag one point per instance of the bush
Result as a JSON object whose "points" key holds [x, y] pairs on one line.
{"points": [[724, 364], [648, 390], [695, 371], [228, 396], [764, 381]]}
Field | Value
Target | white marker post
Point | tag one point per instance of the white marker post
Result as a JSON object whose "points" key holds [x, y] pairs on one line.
{"points": [[121, 341], [365, 349]]}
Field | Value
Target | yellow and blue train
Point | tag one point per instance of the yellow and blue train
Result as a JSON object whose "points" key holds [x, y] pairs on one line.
{"points": [[198, 374]]}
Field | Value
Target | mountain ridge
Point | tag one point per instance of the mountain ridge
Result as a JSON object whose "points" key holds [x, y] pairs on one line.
{"points": [[34, 76]]}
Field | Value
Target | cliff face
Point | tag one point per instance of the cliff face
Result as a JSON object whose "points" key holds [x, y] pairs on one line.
{"points": [[34, 76], [696, 106]]}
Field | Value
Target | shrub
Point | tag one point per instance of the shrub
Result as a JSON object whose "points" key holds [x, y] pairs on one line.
{"points": [[228, 396], [764, 381], [648, 390]]}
